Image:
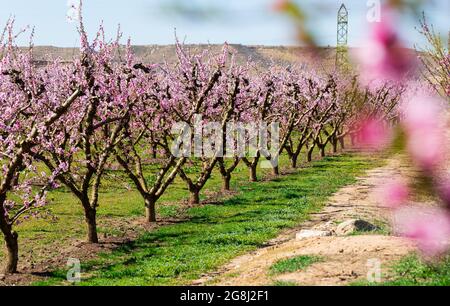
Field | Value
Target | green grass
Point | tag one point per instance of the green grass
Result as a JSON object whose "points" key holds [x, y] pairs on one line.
{"points": [[293, 264], [214, 234], [284, 284], [414, 271]]}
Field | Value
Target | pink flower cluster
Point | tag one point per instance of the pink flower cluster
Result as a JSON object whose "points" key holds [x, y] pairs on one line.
{"points": [[429, 227], [422, 130], [424, 123], [383, 57]]}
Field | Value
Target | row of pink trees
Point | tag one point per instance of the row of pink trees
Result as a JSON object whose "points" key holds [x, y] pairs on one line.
{"points": [[105, 108]]}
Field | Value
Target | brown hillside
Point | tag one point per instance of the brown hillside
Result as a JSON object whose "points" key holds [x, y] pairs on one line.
{"points": [[264, 56]]}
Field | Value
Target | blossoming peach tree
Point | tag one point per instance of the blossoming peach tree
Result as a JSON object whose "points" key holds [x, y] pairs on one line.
{"points": [[32, 101]]}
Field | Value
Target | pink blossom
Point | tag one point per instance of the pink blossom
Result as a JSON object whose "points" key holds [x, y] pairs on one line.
{"points": [[383, 57], [427, 149], [423, 112], [428, 227], [280, 5], [373, 133], [394, 194], [424, 125]]}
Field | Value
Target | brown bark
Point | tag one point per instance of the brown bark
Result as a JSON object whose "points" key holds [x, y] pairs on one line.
{"points": [[12, 248], [150, 210], [194, 197], [253, 177], [276, 170], [294, 161], [322, 151], [342, 142], [91, 221], [335, 145], [226, 182], [310, 153]]}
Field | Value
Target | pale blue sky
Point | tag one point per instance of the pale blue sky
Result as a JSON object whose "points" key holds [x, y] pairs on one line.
{"points": [[200, 21]]}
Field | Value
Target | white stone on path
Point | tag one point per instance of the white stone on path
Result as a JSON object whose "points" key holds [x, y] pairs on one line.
{"points": [[311, 233]]}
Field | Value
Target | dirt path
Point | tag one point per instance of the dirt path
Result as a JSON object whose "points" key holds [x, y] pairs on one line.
{"points": [[344, 258]]}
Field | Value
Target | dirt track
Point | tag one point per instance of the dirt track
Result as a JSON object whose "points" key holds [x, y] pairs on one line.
{"points": [[345, 258]]}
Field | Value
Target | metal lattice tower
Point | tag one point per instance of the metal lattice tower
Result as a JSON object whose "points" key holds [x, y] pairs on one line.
{"points": [[342, 39]]}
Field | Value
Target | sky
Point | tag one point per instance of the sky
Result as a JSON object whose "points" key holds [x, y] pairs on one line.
{"points": [[250, 22]]}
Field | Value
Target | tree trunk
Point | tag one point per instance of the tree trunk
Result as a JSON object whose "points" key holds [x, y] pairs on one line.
{"points": [[253, 177], [91, 220], [150, 210], [194, 197], [342, 142], [154, 151], [335, 145], [276, 170], [12, 248], [226, 182], [322, 151], [310, 153], [294, 161]]}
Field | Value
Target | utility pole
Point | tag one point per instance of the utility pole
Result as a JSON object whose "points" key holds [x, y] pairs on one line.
{"points": [[342, 39]]}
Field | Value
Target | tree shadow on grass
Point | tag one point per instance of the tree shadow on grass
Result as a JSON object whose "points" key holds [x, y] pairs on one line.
{"points": [[213, 233]]}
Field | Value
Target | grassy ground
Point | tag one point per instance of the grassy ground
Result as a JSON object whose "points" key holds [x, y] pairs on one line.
{"points": [[414, 271], [293, 264], [213, 234]]}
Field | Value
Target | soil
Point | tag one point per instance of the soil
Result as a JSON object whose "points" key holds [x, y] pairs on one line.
{"points": [[345, 259]]}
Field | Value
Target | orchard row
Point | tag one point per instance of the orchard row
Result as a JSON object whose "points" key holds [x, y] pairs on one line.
{"points": [[105, 109]]}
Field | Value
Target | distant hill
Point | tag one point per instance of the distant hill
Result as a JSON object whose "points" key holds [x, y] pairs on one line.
{"points": [[264, 56]]}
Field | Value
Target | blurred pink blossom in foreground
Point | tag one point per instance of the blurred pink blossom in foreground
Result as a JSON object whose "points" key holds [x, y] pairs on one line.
{"points": [[383, 57], [394, 194], [373, 133], [424, 125], [280, 5], [428, 227]]}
